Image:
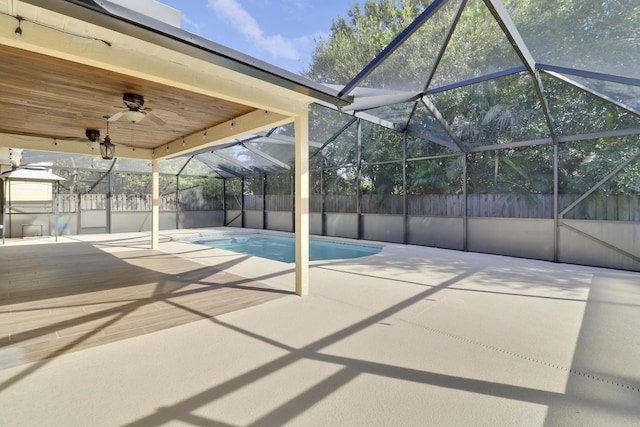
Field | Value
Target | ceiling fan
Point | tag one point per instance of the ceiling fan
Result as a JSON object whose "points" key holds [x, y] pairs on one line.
{"points": [[135, 111]]}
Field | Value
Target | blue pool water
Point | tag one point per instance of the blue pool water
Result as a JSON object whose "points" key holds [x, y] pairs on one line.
{"points": [[282, 248]]}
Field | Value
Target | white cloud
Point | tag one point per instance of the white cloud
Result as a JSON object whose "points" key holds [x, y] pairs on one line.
{"points": [[191, 24], [243, 22]]}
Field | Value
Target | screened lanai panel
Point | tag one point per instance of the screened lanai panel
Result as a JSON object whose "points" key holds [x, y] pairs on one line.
{"points": [[63, 160], [478, 47], [316, 160], [600, 36], [610, 202], [196, 168], [173, 166], [252, 160], [240, 160], [233, 196], [419, 147], [285, 130], [315, 190], [380, 144], [498, 111], [626, 94], [342, 150], [224, 164], [424, 124], [396, 114], [282, 153], [253, 192], [585, 164], [341, 189], [511, 183], [58, 159], [78, 161], [278, 196], [324, 123], [382, 190], [576, 112], [132, 165], [408, 68], [435, 187]]}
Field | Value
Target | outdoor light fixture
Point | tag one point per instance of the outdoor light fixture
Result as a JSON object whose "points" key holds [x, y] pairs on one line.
{"points": [[18, 31], [107, 149]]}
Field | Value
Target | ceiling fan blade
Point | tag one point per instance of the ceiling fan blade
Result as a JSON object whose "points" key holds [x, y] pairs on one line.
{"points": [[162, 112], [155, 119], [115, 117]]}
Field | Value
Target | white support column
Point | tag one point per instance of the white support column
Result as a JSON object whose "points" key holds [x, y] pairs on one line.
{"points": [[301, 123], [155, 202]]}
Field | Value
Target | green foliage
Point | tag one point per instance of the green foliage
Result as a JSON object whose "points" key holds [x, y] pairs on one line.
{"points": [[279, 183], [211, 187], [589, 35], [356, 40]]}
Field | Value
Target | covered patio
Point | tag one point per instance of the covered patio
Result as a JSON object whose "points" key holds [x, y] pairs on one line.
{"points": [[100, 79], [411, 336]]}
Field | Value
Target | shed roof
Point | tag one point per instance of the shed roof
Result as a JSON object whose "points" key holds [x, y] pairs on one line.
{"points": [[30, 174]]}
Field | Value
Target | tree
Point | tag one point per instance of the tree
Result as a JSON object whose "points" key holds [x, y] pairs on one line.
{"points": [[355, 41], [596, 36]]}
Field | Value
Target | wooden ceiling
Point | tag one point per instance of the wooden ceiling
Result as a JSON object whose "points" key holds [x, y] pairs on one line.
{"points": [[70, 64], [58, 99]]}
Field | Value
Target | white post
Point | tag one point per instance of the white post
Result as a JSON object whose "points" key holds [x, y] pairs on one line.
{"points": [[56, 198], [155, 202], [301, 123], [4, 209]]}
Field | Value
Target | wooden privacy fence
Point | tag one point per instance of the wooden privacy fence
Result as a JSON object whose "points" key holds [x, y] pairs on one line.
{"points": [[595, 207], [189, 201]]}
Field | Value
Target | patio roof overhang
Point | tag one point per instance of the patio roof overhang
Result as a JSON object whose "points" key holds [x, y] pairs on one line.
{"points": [[73, 60]]}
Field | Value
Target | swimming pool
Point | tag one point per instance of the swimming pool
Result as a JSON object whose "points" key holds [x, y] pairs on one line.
{"points": [[282, 248]]}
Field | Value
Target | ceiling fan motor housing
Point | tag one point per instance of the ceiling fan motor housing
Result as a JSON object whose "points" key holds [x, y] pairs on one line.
{"points": [[133, 101], [92, 134]]}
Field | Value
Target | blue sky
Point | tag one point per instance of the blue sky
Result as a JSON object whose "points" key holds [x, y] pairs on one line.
{"points": [[279, 32]]}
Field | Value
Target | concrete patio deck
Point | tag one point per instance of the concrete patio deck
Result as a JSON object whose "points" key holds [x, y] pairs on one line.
{"points": [[413, 336]]}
